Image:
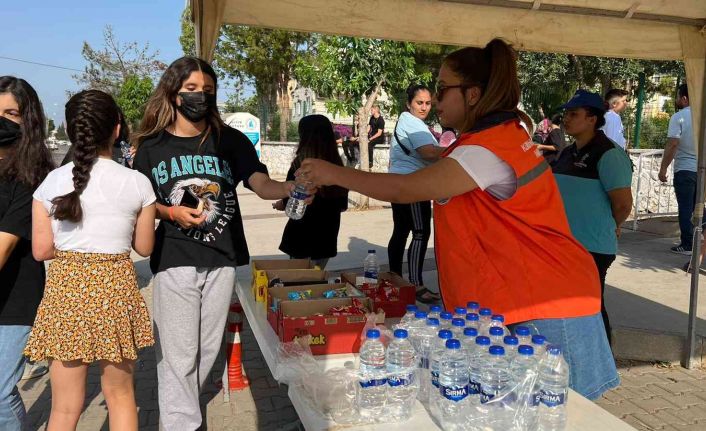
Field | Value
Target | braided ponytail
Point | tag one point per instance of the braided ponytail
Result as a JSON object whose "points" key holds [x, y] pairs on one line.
{"points": [[91, 117]]}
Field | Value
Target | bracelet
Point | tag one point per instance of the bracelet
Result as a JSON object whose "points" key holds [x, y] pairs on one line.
{"points": [[171, 213]]}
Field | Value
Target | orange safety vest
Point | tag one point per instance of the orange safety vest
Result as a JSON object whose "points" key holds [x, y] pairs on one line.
{"points": [[516, 256]]}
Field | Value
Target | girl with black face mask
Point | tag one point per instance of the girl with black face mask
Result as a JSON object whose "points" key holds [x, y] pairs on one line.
{"points": [[195, 163], [24, 162]]}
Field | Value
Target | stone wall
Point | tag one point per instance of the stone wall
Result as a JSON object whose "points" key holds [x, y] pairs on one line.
{"points": [[654, 196], [278, 156]]}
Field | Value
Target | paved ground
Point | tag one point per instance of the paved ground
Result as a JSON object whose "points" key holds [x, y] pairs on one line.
{"points": [[646, 291]]}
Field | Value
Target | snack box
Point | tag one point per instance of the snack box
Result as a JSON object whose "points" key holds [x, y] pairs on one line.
{"points": [[330, 334], [259, 266], [392, 308], [289, 277]]}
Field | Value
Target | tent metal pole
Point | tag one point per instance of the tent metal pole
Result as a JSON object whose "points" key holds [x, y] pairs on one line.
{"points": [[690, 360]]}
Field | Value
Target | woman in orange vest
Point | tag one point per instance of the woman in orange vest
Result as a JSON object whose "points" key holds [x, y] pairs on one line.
{"points": [[501, 233]]}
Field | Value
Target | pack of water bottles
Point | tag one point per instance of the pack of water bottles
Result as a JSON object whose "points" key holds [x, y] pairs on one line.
{"points": [[475, 374]]}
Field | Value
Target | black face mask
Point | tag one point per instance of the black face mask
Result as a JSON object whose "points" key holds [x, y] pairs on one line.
{"points": [[9, 132], [196, 105]]}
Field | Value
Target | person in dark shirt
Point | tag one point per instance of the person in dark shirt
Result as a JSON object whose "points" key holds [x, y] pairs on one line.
{"points": [[315, 235], [555, 140], [25, 161], [351, 145], [376, 133], [195, 162]]}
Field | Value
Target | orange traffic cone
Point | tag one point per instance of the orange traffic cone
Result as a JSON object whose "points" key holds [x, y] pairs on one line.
{"points": [[236, 379]]}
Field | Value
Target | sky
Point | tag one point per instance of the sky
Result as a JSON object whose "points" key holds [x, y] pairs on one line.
{"points": [[53, 32]]}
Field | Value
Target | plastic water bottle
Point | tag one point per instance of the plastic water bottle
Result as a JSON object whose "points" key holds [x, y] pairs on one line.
{"points": [[296, 206], [484, 317], [496, 335], [453, 387], [427, 337], [510, 343], [460, 313], [435, 311], [371, 268], [523, 334], [499, 321], [476, 364], [468, 342], [472, 307], [524, 373], [472, 320], [445, 319], [372, 387], [496, 382], [416, 326], [539, 343], [408, 316], [437, 350], [553, 384], [401, 365], [457, 326]]}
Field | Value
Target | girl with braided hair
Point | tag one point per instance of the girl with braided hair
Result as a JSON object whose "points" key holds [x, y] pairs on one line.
{"points": [[87, 215]]}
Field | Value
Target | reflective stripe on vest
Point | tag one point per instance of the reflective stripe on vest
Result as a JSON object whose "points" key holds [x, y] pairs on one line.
{"points": [[532, 174]]}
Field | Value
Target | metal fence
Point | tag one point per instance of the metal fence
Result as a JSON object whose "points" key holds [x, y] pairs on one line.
{"points": [[651, 197]]}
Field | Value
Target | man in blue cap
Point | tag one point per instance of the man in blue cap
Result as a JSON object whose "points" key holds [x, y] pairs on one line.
{"points": [[594, 176]]}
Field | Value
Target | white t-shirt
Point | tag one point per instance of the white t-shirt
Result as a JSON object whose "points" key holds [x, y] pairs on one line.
{"points": [[613, 128], [491, 173], [110, 203]]}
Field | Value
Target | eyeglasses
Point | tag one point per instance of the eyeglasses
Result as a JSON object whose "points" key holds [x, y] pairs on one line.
{"points": [[440, 90]]}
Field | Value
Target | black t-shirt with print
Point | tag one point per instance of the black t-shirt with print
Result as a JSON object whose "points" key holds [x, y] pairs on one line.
{"points": [[22, 277], [375, 125], [209, 172]]}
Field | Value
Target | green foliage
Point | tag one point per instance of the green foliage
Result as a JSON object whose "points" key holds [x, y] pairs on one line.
{"points": [[187, 38], [346, 69], [236, 103], [133, 96], [109, 67], [50, 125], [61, 133], [292, 129], [653, 133]]}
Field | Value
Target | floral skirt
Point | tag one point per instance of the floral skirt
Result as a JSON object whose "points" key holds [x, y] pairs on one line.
{"points": [[92, 310]]}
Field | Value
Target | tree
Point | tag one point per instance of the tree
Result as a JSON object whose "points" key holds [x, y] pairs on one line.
{"points": [[61, 133], [108, 68], [50, 125], [133, 96], [353, 71], [236, 103], [262, 57]]}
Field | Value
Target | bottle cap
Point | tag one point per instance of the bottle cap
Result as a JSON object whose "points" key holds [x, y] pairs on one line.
{"points": [[371, 251], [372, 333], [525, 350], [511, 340], [453, 344], [473, 317], [400, 333], [445, 334], [539, 339], [554, 349], [473, 305], [482, 340], [460, 310], [458, 322], [485, 312], [412, 307], [446, 315], [420, 314], [496, 331], [435, 308], [522, 331], [498, 318], [470, 332], [496, 350]]}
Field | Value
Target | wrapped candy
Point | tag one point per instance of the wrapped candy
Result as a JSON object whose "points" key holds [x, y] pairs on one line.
{"points": [[299, 295], [356, 308], [336, 293]]}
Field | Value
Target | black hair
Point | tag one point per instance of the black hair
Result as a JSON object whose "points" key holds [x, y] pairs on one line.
{"points": [[91, 117], [613, 93], [683, 91], [557, 118], [29, 160], [318, 141], [413, 89], [599, 114]]}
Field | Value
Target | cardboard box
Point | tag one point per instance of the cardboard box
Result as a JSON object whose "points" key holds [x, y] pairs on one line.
{"points": [[277, 295], [330, 334], [260, 266], [289, 277], [408, 293]]}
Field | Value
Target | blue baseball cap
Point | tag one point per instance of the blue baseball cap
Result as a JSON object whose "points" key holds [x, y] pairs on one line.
{"points": [[585, 99]]}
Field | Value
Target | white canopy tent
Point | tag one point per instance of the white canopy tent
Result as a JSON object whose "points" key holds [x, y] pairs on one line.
{"points": [[648, 29]]}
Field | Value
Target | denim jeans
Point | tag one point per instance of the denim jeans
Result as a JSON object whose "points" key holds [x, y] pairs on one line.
{"points": [[12, 364], [685, 191], [585, 346]]}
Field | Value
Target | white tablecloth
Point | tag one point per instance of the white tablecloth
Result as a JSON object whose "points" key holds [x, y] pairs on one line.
{"points": [[583, 415]]}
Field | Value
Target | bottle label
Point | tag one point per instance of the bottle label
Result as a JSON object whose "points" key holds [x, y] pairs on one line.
{"points": [[372, 382], [424, 363], [299, 195], [552, 399], [473, 388], [401, 380], [435, 378], [486, 396], [371, 275], [454, 393]]}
